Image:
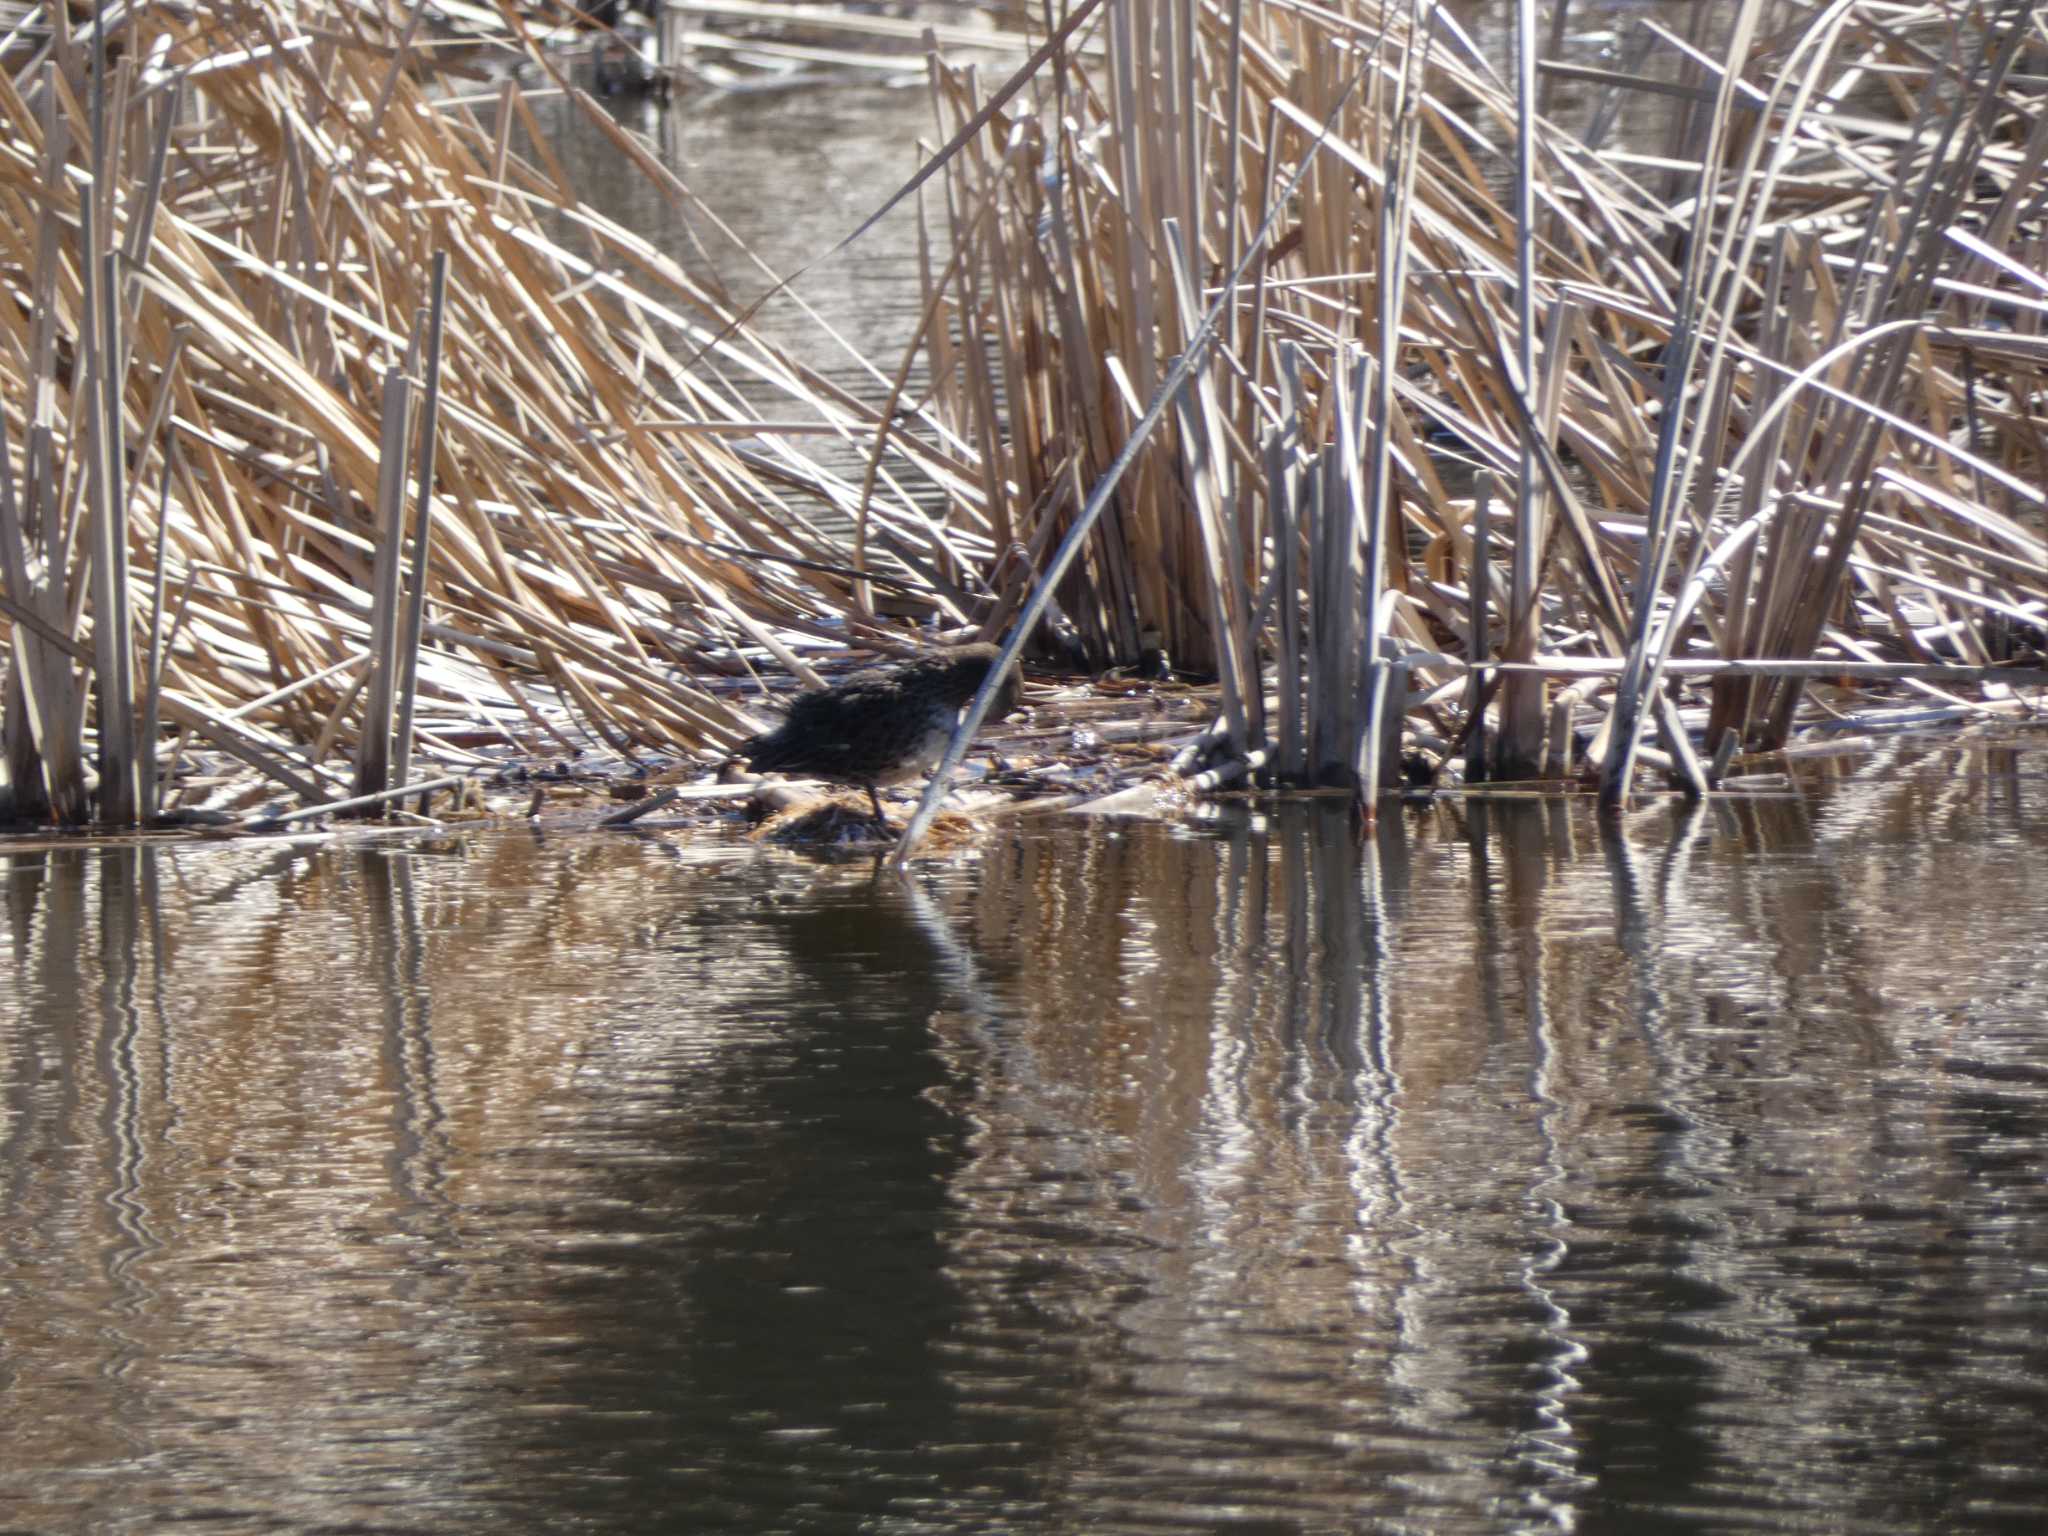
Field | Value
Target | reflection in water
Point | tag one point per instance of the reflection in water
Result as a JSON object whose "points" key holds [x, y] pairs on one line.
{"points": [[1506, 1172]]}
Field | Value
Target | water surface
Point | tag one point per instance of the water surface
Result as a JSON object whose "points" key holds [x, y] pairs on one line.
{"points": [[1501, 1173]]}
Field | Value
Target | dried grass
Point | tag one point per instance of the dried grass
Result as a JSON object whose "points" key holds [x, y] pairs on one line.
{"points": [[1775, 395], [217, 248], [1225, 306]]}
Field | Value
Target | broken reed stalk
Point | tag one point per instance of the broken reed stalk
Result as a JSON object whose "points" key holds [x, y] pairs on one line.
{"points": [[107, 496], [373, 746], [35, 692], [423, 522], [1521, 698], [153, 676], [103, 365], [627, 815], [1283, 507], [1212, 481], [1479, 586], [151, 790], [1379, 761], [353, 803]]}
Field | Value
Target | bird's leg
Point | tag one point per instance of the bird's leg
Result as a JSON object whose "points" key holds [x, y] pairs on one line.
{"points": [[876, 801]]}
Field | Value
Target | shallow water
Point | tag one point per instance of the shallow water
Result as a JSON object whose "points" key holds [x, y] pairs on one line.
{"points": [[1498, 1175]]}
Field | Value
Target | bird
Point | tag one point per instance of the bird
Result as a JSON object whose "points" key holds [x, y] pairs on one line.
{"points": [[883, 725]]}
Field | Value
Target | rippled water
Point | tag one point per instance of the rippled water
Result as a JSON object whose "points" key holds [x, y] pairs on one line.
{"points": [[1500, 1174]]}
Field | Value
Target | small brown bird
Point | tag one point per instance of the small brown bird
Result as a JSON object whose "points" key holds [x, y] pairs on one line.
{"points": [[883, 725]]}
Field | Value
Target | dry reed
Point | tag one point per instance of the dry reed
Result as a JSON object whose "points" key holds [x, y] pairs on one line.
{"points": [[218, 223], [1228, 306], [1771, 396]]}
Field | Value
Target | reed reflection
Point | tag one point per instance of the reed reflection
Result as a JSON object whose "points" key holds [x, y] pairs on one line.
{"points": [[398, 960], [247, 1174], [1506, 1171], [85, 1064], [1514, 1149]]}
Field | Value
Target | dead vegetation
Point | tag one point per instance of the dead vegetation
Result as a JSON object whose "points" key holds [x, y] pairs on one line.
{"points": [[1327, 358], [230, 366], [1309, 347]]}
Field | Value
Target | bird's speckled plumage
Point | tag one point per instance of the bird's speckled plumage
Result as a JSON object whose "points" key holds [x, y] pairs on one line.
{"points": [[880, 726]]}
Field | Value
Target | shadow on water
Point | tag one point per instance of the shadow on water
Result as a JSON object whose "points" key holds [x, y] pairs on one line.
{"points": [[762, 1319], [1506, 1172]]}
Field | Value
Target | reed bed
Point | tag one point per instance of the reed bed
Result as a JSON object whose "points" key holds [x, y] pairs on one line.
{"points": [[336, 429], [1328, 351], [1351, 372]]}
